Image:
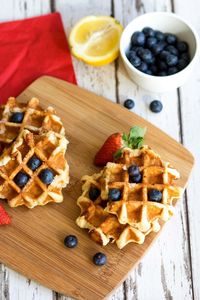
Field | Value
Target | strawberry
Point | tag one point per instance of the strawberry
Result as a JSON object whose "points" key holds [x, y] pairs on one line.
{"points": [[112, 147], [4, 217]]}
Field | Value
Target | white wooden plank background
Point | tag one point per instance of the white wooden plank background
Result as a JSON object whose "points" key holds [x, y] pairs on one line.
{"points": [[171, 268]]}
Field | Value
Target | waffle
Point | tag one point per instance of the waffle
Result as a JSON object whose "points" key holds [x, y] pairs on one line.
{"points": [[50, 148], [135, 216], [35, 120], [103, 227]]}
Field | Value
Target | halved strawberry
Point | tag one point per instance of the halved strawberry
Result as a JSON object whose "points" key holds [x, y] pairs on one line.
{"points": [[4, 217], [112, 147]]}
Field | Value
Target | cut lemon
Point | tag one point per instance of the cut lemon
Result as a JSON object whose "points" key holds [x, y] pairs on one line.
{"points": [[95, 40]]}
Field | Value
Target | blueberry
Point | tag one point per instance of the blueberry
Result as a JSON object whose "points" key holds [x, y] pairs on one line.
{"points": [[172, 50], [171, 60], [114, 194], [71, 241], [130, 54], [140, 52], [94, 193], [135, 60], [159, 35], [21, 179], [148, 31], [149, 72], [17, 117], [99, 259], [162, 44], [185, 56], [143, 67], [170, 38], [34, 163], [151, 41], [162, 73], [147, 56], [132, 48], [136, 49], [182, 47], [129, 103], [155, 195], [182, 63], [138, 39], [46, 176], [162, 66], [157, 48], [136, 178], [153, 69], [163, 54], [172, 70], [156, 106], [133, 170]]}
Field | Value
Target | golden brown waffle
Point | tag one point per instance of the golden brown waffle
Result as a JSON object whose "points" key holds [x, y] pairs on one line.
{"points": [[134, 207], [103, 227], [50, 148], [136, 216], [35, 119]]}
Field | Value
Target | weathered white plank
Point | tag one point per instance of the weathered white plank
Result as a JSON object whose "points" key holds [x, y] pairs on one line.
{"points": [[190, 108], [4, 282], [13, 285], [100, 80], [20, 9], [165, 271]]}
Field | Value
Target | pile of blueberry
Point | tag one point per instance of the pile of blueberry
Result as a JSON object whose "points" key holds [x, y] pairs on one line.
{"points": [[156, 53]]}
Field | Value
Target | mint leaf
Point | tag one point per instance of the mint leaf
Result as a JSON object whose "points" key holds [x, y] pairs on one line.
{"points": [[136, 132], [124, 137], [133, 140], [117, 154], [125, 140], [136, 137], [136, 143], [140, 142]]}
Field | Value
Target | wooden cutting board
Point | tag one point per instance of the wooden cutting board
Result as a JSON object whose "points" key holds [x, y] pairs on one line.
{"points": [[33, 244]]}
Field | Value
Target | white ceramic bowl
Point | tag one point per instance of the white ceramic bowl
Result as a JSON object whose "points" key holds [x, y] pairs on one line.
{"points": [[165, 22]]}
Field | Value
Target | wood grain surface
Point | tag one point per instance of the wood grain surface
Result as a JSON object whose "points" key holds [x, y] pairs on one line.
{"points": [[33, 244]]}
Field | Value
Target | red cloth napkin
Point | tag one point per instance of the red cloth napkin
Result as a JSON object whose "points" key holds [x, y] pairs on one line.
{"points": [[31, 48]]}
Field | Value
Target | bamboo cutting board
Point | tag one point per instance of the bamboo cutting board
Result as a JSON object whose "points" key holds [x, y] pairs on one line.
{"points": [[33, 244]]}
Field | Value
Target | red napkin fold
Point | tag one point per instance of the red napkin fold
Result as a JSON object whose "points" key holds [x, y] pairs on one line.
{"points": [[31, 48]]}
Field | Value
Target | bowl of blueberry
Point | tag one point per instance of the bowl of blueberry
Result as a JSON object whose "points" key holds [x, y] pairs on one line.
{"points": [[159, 51]]}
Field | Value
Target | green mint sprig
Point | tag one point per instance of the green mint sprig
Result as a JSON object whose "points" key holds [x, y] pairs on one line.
{"points": [[134, 140]]}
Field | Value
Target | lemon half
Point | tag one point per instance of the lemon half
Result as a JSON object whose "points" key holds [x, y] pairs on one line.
{"points": [[95, 40]]}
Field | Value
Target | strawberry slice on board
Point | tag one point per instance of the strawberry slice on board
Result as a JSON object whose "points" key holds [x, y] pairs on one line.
{"points": [[4, 217], [112, 147]]}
